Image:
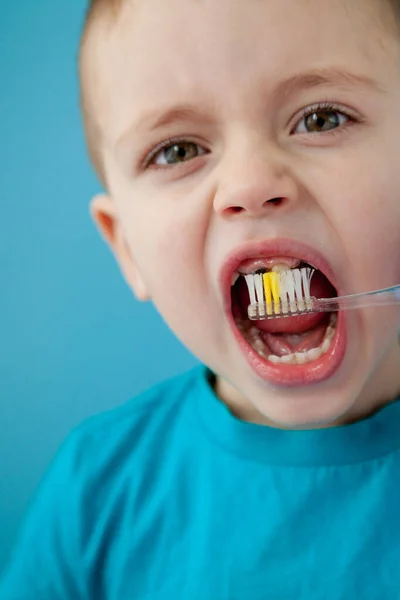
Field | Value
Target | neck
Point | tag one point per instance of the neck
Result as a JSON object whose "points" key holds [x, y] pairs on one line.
{"points": [[381, 388]]}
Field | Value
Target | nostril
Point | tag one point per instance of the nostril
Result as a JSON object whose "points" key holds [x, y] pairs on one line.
{"points": [[236, 209], [275, 201], [239, 209]]}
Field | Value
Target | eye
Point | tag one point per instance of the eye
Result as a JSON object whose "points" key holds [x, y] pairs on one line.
{"points": [[321, 119], [175, 153]]}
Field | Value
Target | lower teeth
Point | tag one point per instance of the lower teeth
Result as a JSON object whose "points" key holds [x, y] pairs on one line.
{"points": [[297, 358]]}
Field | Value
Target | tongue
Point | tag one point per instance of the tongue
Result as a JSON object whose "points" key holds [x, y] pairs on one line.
{"points": [[288, 343], [320, 288]]}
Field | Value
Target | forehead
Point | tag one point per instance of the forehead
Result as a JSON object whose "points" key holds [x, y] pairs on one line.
{"points": [[157, 53]]}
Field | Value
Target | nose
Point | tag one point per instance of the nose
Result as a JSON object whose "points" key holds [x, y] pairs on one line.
{"points": [[254, 183]]}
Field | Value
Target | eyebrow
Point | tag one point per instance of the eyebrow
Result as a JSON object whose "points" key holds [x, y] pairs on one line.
{"points": [[178, 113], [327, 77], [152, 120], [156, 119]]}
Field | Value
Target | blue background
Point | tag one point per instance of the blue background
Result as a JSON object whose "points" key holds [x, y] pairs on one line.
{"points": [[73, 341]]}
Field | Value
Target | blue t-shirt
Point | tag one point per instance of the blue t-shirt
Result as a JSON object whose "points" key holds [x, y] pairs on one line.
{"points": [[171, 497]]}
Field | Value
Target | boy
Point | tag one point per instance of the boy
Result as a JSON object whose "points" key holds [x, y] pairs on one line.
{"points": [[234, 136]]}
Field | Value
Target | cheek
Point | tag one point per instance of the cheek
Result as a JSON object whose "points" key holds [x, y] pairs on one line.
{"points": [[168, 246], [370, 223], [364, 209], [172, 261]]}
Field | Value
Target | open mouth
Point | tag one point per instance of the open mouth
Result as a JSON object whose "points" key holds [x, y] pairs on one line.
{"points": [[288, 350], [288, 340]]}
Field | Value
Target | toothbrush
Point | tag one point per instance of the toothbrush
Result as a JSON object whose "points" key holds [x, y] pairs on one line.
{"points": [[287, 294]]}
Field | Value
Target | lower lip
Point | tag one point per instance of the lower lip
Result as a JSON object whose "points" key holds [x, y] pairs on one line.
{"points": [[296, 375]]}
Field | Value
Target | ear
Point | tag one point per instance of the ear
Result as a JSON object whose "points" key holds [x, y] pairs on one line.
{"points": [[104, 214]]}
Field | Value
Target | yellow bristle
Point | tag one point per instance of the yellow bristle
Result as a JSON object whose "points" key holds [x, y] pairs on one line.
{"points": [[268, 292], [275, 290]]}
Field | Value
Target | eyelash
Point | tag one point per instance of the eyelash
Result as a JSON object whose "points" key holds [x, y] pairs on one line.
{"points": [[161, 146], [305, 113], [326, 107]]}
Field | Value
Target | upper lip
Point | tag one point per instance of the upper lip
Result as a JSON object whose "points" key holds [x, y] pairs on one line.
{"points": [[269, 249]]}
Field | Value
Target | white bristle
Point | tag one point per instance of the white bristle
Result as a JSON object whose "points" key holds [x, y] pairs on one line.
{"points": [[258, 280], [298, 285], [285, 284], [307, 276], [252, 288], [297, 282], [290, 290]]}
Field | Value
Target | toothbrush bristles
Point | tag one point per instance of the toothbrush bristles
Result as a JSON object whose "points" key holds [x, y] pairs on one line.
{"points": [[252, 288], [283, 293], [260, 293]]}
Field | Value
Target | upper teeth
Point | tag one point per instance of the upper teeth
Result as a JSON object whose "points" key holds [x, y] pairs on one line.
{"points": [[258, 265], [278, 268], [268, 263]]}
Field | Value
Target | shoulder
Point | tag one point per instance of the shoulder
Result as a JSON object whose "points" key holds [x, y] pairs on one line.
{"points": [[151, 405], [98, 487], [138, 426]]}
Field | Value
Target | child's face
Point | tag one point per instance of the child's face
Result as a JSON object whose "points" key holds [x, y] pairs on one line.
{"points": [[226, 82]]}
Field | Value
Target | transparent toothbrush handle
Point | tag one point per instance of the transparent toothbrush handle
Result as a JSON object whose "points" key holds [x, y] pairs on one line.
{"points": [[386, 297]]}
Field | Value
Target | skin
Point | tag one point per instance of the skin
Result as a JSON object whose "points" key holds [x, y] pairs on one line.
{"points": [[171, 227]]}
